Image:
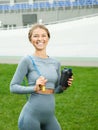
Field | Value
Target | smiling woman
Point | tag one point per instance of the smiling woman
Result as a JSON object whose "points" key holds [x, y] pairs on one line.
{"points": [[43, 75], [39, 37]]}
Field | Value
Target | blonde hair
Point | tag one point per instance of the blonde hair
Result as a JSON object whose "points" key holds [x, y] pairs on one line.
{"points": [[37, 26]]}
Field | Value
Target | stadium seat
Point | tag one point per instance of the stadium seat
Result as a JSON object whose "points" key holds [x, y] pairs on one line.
{"points": [[61, 3], [23, 6], [5, 7], [48, 4], [67, 3], [42, 5], [1, 7], [29, 6], [35, 5], [54, 4], [15, 7], [75, 4]]}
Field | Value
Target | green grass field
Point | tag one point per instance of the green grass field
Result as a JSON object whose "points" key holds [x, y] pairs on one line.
{"points": [[76, 108]]}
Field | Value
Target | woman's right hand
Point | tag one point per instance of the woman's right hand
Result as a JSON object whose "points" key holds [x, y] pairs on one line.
{"points": [[40, 82]]}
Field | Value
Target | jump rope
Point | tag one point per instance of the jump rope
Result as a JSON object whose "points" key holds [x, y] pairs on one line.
{"points": [[38, 72]]}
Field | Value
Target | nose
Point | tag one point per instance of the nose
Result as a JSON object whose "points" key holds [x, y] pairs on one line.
{"points": [[40, 38]]}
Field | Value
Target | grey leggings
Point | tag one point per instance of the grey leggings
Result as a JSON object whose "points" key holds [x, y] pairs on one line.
{"points": [[38, 113]]}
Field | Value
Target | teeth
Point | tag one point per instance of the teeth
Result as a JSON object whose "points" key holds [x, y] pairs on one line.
{"points": [[40, 43]]}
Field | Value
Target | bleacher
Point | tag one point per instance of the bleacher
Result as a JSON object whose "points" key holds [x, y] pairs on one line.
{"points": [[47, 5]]}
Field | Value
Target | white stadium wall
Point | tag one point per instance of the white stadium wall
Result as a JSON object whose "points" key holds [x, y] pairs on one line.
{"points": [[69, 39]]}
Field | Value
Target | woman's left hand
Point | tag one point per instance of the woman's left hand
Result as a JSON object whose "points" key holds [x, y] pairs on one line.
{"points": [[70, 81]]}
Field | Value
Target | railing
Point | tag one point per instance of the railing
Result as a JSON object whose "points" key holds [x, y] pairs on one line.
{"points": [[47, 5]]}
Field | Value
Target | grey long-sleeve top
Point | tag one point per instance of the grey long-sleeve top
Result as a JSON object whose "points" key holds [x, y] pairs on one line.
{"points": [[48, 67]]}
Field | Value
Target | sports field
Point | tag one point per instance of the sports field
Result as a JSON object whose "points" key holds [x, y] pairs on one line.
{"points": [[76, 108]]}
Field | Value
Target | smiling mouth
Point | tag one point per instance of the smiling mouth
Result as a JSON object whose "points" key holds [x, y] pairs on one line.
{"points": [[40, 43]]}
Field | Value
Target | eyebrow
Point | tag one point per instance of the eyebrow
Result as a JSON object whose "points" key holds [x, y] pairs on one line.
{"points": [[38, 34]]}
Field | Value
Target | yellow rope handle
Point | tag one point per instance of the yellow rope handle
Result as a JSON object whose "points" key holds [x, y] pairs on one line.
{"points": [[43, 88]]}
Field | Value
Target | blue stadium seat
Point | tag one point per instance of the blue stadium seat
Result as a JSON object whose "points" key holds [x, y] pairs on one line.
{"points": [[26, 6], [54, 4], [81, 3], [35, 5], [15, 7], [75, 4], [67, 3], [0, 7], [88, 2], [29, 6], [42, 5], [48, 5], [5, 7], [94, 2], [61, 3], [23, 6]]}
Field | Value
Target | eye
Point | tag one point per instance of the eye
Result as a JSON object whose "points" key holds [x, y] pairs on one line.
{"points": [[44, 35], [35, 36]]}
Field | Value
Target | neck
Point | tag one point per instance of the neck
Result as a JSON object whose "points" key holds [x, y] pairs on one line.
{"points": [[40, 54]]}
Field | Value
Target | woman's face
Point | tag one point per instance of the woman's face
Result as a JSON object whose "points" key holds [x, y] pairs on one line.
{"points": [[39, 38]]}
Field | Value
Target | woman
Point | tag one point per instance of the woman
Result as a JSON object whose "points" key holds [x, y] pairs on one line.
{"points": [[43, 75]]}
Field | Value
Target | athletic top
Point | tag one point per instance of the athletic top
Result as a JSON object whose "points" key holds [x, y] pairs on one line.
{"points": [[48, 67]]}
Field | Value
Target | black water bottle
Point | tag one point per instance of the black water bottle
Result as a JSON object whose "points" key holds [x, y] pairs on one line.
{"points": [[66, 73]]}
